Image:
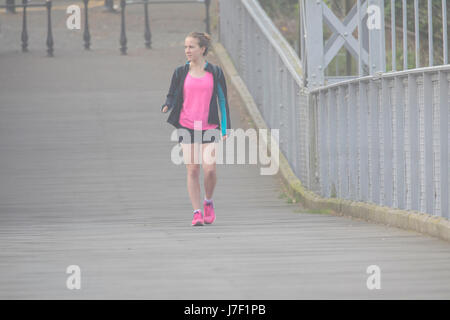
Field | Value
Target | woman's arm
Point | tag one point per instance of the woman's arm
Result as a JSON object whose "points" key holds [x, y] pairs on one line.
{"points": [[168, 105]]}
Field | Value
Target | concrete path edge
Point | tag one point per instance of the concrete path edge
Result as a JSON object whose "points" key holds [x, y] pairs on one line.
{"points": [[405, 219]]}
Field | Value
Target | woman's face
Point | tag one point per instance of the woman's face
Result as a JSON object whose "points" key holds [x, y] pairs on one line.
{"points": [[192, 50]]}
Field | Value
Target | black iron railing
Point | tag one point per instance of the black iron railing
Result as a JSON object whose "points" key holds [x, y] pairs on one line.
{"points": [[147, 33], [10, 6]]}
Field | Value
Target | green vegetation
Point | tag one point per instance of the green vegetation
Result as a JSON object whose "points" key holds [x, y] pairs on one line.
{"points": [[285, 13], [314, 211]]}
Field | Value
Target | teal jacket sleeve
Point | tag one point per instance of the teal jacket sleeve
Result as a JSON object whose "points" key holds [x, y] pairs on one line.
{"points": [[223, 103]]}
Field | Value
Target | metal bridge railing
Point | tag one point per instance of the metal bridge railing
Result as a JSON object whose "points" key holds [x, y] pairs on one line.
{"points": [[431, 47], [385, 139], [272, 72], [363, 34], [381, 138]]}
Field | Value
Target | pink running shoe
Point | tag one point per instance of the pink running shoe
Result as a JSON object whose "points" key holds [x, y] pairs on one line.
{"points": [[198, 219], [210, 216]]}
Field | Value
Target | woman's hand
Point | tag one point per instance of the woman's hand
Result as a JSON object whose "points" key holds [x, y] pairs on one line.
{"points": [[164, 110], [224, 137]]}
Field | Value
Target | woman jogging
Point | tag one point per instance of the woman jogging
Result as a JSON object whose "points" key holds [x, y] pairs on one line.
{"points": [[197, 92]]}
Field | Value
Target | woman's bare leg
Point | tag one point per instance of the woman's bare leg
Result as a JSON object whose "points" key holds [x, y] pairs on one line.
{"points": [[190, 155], [209, 168]]}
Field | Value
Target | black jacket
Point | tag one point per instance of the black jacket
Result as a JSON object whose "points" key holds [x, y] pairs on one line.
{"points": [[219, 97]]}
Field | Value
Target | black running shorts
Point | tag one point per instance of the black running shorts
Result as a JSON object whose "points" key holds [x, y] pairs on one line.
{"points": [[187, 135]]}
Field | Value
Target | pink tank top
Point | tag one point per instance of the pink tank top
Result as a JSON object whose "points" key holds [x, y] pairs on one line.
{"points": [[197, 97]]}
